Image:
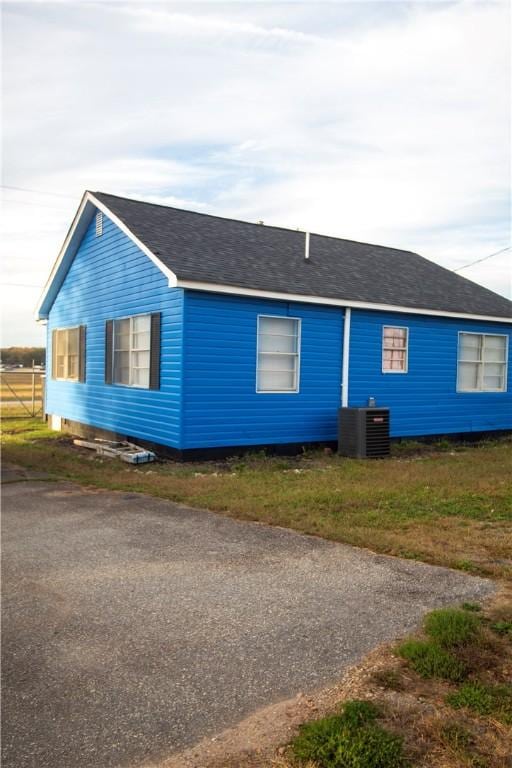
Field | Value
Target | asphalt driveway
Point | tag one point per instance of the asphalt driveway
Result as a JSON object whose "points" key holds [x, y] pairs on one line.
{"points": [[133, 627]]}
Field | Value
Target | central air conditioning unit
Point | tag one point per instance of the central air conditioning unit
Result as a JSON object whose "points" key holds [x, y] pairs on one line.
{"points": [[363, 433]]}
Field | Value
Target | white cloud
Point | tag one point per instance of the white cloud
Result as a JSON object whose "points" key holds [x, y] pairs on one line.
{"points": [[375, 121], [221, 30]]}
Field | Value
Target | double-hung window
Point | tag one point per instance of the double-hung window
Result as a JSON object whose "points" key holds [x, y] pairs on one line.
{"points": [[68, 353], [132, 351], [132, 345], [278, 354], [394, 349], [482, 363]]}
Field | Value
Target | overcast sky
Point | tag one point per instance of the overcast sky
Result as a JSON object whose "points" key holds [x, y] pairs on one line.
{"points": [[377, 121]]}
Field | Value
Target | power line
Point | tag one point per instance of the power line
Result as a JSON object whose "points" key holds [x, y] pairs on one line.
{"points": [[483, 259], [35, 191], [20, 285], [34, 204]]}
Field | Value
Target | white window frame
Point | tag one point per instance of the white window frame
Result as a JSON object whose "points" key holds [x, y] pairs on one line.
{"points": [[131, 318], [398, 328], [296, 355], [481, 364], [67, 377]]}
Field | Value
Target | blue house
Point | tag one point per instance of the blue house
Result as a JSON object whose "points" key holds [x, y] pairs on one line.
{"points": [[194, 332]]}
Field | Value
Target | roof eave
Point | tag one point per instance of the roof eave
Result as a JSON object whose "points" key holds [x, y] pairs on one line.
{"points": [[308, 299]]}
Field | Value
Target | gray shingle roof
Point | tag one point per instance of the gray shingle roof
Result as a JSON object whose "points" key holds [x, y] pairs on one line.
{"points": [[211, 249]]}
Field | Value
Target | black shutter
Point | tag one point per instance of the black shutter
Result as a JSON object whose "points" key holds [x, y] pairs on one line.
{"points": [[109, 341], [54, 354], [81, 353], [154, 365]]}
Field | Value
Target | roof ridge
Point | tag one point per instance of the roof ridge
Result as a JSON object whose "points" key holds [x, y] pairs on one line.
{"points": [[255, 223]]}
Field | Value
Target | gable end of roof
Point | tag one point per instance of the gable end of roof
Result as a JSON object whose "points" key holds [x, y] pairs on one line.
{"points": [[88, 207]]}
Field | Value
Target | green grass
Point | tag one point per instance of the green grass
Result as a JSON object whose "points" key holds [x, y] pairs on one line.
{"points": [[448, 630], [349, 740], [358, 713], [502, 627], [451, 628], [430, 660], [471, 607], [461, 743], [457, 737], [487, 700], [451, 508]]}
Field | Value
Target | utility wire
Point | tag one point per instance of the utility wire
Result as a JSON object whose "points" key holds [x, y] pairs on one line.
{"points": [[21, 285], [53, 206], [35, 191], [483, 259]]}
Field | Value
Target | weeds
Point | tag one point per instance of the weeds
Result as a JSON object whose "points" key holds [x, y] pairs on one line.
{"points": [[388, 678], [358, 713], [456, 736], [349, 740], [494, 700], [452, 628], [468, 565], [430, 660], [502, 627], [461, 743], [474, 607]]}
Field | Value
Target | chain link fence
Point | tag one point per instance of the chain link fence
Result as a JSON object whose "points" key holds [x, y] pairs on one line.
{"points": [[22, 393]]}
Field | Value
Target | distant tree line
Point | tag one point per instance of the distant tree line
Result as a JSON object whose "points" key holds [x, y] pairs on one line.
{"points": [[23, 356]]}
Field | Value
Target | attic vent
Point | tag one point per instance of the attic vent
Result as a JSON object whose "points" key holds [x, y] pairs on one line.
{"points": [[99, 224]]}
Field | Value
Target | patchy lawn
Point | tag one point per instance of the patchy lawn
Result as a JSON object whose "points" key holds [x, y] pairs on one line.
{"points": [[424, 720], [446, 504]]}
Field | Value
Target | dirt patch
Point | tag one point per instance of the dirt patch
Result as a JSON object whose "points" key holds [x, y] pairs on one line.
{"points": [[258, 740]]}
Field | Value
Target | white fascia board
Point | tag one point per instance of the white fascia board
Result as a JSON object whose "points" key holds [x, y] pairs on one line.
{"points": [[67, 253], [256, 293]]}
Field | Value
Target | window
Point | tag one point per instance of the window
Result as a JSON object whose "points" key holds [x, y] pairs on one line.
{"points": [[132, 351], [68, 353], [482, 363], [394, 349], [278, 354], [132, 347]]}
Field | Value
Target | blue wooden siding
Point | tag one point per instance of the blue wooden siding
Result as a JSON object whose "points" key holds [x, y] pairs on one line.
{"points": [[110, 277], [221, 406], [424, 401]]}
